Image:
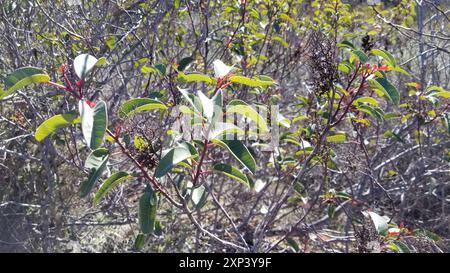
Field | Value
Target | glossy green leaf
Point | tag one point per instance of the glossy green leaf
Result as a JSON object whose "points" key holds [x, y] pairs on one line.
{"points": [[383, 85], [93, 123], [170, 159], [293, 244], [23, 77], [221, 128], [368, 100], [96, 163], [193, 100], [239, 151], [390, 60], [250, 82], [134, 106], [346, 44], [336, 138], [242, 108], [184, 63], [232, 172], [195, 77], [110, 183], [198, 196], [139, 242], [147, 211], [362, 57], [281, 41], [217, 101], [52, 124], [282, 120], [102, 61], [373, 111]]}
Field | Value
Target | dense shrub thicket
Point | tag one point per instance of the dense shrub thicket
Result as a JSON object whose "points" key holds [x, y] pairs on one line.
{"points": [[224, 126]]}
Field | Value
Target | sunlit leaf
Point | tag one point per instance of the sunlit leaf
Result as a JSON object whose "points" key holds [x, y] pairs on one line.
{"points": [[23, 77], [250, 82], [147, 211], [242, 108], [232, 172], [93, 123], [96, 164], [220, 69], [52, 124], [239, 151], [336, 138], [109, 184], [384, 86], [134, 106], [83, 64], [170, 159], [390, 60], [381, 224]]}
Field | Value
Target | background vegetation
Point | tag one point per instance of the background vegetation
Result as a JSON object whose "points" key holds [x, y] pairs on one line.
{"points": [[350, 151]]}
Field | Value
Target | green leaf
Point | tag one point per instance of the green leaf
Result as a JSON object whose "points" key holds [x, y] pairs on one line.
{"points": [[381, 224], [368, 100], [242, 108], [390, 60], [134, 106], [293, 244], [217, 104], [373, 111], [23, 77], [250, 82], [336, 138], [96, 163], [194, 101], [438, 91], [195, 77], [220, 69], [207, 105], [221, 128], [161, 69], [383, 85], [189, 146], [282, 120], [83, 65], [148, 69], [232, 172], [102, 61], [198, 196], [446, 121], [110, 183], [93, 123], [281, 41], [401, 70], [147, 211], [346, 44], [239, 151], [184, 63], [111, 42], [402, 247], [52, 124], [139, 242], [362, 57], [170, 159], [344, 67]]}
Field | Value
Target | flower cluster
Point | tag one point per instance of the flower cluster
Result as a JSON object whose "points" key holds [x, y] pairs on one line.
{"points": [[371, 69]]}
